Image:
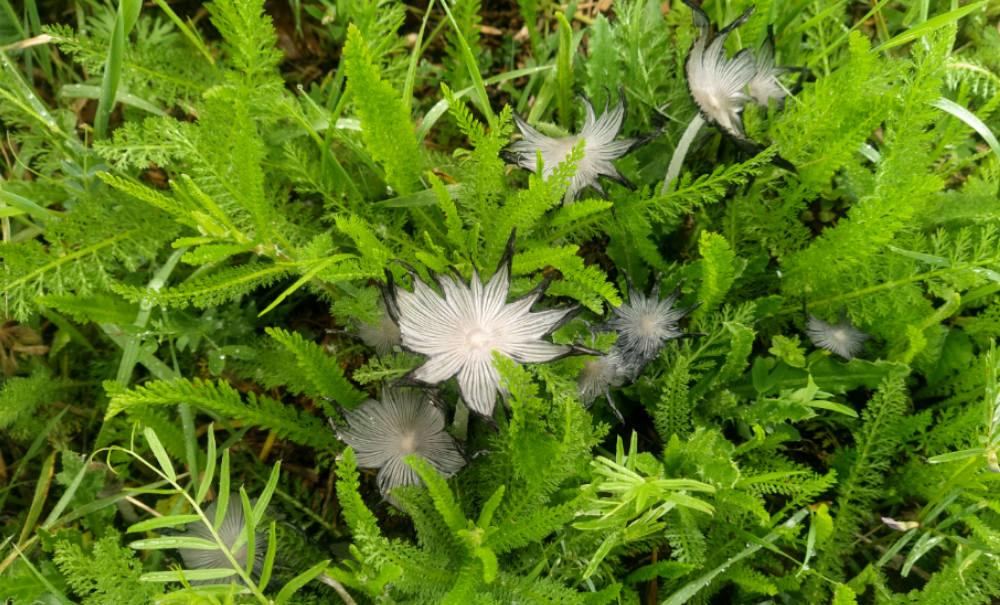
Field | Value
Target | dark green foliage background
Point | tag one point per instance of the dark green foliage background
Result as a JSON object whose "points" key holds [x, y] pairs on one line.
{"points": [[209, 257]]}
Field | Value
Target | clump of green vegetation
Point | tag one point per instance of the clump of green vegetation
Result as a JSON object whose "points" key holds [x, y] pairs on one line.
{"points": [[280, 324]]}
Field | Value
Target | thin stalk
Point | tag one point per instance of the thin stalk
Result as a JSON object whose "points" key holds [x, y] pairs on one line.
{"points": [[889, 285], [674, 170], [192, 37]]}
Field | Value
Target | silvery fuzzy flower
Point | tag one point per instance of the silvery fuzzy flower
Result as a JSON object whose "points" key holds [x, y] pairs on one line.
{"points": [[765, 85], [230, 529], [404, 423], [645, 324], [382, 337], [718, 83], [460, 330], [841, 338], [600, 148], [597, 378]]}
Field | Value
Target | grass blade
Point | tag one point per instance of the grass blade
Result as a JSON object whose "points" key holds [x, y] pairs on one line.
{"points": [[38, 501], [206, 482], [174, 542], [131, 350], [160, 522], [265, 575], [411, 71], [248, 529], [191, 449], [66, 497], [969, 118], [927, 27], [48, 585], [564, 73], [223, 500], [690, 589], [265, 498], [160, 453], [482, 98], [188, 574], [299, 581]]}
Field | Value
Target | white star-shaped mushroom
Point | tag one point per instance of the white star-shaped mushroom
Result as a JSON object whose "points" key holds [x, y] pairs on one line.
{"points": [[644, 324], [841, 338], [718, 84], [460, 330], [765, 85], [403, 424], [600, 148]]}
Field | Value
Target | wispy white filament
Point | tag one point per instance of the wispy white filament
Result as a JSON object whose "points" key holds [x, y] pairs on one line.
{"points": [[600, 147], [404, 423], [460, 331], [841, 338], [231, 527]]}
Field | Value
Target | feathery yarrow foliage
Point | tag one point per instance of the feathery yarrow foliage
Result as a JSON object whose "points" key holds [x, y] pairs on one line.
{"points": [[220, 236]]}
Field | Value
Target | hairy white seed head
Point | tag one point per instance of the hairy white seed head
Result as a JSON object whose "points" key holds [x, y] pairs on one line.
{"points": [[599, 375], [841, 337], [644, 324]]}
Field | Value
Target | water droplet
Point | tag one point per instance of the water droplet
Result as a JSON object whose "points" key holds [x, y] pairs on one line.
{"points": [[707, 583], [222, 356]]}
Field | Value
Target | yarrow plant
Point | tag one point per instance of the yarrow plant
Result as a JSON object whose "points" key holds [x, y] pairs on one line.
{"points": [[460, 330], [194, 223], [601, 147]]}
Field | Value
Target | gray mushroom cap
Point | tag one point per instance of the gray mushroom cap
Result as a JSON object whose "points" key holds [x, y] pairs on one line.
{"points": [[402, 424], [230, 529]]}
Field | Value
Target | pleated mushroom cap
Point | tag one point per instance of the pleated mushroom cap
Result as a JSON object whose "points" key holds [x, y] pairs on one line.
{"points": [[404, 423]]}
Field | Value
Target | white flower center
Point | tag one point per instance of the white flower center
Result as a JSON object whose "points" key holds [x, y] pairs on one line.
{"points": [[408, 443], [648, 323], [591, 368], [838, 335], [478, 338], [388, 326]]}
